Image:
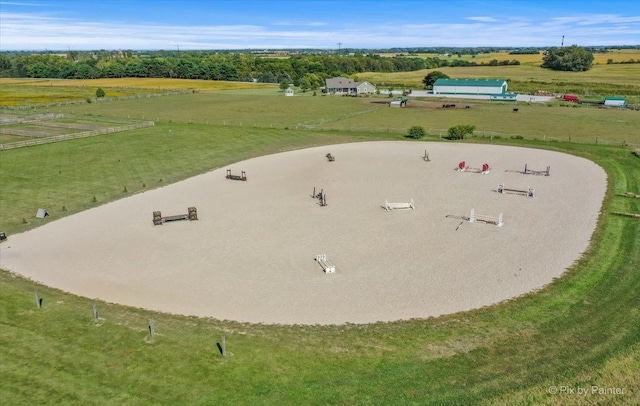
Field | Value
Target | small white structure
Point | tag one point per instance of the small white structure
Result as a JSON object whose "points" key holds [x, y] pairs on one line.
{"points": [[288, 92], [497, 221], [615, 102], [42, 213], [326, 265], [398, 206]]}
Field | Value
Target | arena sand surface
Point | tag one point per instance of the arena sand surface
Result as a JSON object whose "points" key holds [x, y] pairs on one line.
{"points": [[251, 255]]}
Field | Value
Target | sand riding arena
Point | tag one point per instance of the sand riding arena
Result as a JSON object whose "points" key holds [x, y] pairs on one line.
{"points": [[382, 231]]}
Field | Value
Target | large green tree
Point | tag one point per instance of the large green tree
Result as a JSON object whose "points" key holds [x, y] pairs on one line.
{"points": [[431, 78], [573, 58]]}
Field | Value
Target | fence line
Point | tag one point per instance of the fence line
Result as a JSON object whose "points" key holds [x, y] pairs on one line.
{"points": [[84, 134]]}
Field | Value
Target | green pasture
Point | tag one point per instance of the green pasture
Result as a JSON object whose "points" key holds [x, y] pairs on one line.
{"points": [[582, 330], [553, 122]]}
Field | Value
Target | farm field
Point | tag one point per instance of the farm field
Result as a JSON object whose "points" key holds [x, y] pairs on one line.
{"points": [[601, 80], [16, 92], [617, 55], [581, 330]]}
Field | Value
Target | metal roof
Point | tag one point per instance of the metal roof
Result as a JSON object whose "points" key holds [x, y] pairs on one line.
{"points": [[470, 82]]}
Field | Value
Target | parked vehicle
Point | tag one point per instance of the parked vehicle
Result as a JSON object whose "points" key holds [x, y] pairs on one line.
{"points": [[570, 98]]}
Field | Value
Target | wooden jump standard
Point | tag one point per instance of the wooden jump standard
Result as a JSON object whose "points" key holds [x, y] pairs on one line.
{"points": [[463, 167], [158, 220], [426, 156], [322, 197], [528, 171], [326, 265], [530, 192], [496, 221], [242, 176]]}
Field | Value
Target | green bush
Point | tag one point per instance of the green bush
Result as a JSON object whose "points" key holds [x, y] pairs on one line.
{"points": [[100, 92], [460, 132], [416, 132]]}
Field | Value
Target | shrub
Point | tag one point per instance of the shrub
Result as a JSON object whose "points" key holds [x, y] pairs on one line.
{"points": [[416, 132], [460, 132], [100, 92]]}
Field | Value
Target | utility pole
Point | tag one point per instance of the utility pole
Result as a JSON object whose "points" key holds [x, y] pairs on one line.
{"points": [[339, 46], [562, 44]]}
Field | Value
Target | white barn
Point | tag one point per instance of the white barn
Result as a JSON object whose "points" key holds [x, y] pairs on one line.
{"points": [[470, 86]]}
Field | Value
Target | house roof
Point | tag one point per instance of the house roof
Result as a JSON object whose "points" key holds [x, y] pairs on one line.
{"points": [[614, 98], [340, 82], [470, 82]]}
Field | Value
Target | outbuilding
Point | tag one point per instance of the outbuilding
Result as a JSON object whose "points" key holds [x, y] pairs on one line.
{"points": [[470, 86], [615, 102], [288, 92]]}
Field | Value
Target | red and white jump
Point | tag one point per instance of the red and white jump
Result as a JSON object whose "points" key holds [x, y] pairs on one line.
{"points": [[463, 167]]}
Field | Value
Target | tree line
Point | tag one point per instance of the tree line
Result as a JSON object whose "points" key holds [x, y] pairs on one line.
{"points": [[307, 71]]}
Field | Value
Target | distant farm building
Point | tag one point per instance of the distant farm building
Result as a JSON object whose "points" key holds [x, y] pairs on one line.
{"points": [[346, 86], [288, 92], [485, 87], [615, 102]]}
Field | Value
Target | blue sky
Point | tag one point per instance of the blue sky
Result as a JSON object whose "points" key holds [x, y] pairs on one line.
{"points": [[278, 24]]}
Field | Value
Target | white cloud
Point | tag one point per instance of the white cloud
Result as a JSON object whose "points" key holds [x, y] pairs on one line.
{"points": [[26, 31], [482, 19]]}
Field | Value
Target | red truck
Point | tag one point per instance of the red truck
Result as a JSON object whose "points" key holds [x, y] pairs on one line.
{"points": [[570, 98]]}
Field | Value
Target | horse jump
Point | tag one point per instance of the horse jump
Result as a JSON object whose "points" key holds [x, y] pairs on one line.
{"points": [[330, 157], [426, 156], [322, 197], [158, 220], [398, 206], [326, 265], [529, 192], [528, 171], [497, 221], [242, 176], [463, 167]]}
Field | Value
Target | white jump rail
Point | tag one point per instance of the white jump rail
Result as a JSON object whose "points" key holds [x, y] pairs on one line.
{"points": [[529, 192], [326, 265], [497, 221], [398, 206]]}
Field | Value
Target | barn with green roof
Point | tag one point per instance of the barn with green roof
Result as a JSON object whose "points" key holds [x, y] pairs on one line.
{"points": [[485, 87]]}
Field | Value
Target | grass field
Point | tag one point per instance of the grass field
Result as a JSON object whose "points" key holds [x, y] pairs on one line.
{"points": [[580, 123], [583, 330]]}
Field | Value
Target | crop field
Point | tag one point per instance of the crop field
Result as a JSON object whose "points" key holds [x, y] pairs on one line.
{"points": [[19, 92], [582, 330], [616, 56]]}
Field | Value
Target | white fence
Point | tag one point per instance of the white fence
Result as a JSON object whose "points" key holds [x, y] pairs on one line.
{"points": [[84, 134]]}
